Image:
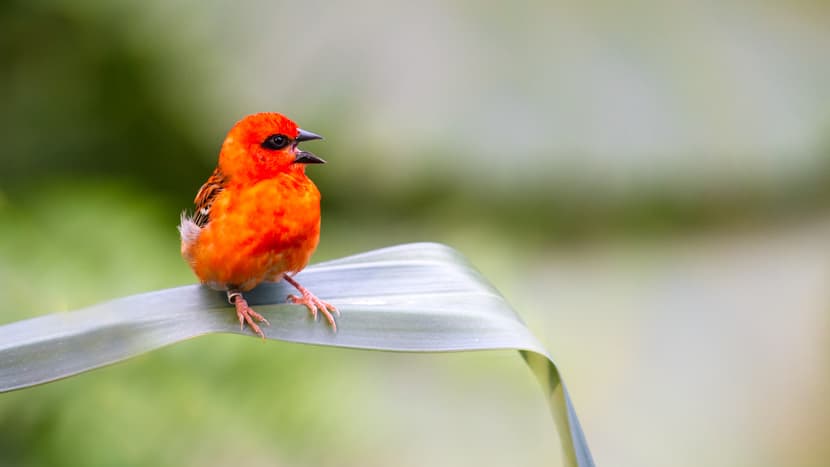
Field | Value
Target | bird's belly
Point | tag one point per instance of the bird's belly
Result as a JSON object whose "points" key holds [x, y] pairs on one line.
{"points": [[257, 234], [230, 255]]}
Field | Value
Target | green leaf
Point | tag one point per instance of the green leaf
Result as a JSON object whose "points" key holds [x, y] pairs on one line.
{"points": [[411, 298]]}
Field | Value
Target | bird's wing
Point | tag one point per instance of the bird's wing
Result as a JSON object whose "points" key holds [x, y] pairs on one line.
{"points": [[207, 194]]}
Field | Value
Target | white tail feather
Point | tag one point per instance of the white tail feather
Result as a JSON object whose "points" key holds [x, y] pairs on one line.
{"points": [[189, 231]]}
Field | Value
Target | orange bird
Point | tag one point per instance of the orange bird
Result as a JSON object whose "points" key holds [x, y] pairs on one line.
{"points": [[257, 217]]}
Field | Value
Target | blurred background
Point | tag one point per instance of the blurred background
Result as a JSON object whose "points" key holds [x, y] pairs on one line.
{"points": [[648, 184]]}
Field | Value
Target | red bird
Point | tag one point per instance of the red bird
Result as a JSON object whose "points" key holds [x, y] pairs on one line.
{"points": [[257, 217]]}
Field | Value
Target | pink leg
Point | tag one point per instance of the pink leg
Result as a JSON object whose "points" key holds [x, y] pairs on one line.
{"points": [[313, 303], [246, 314]]}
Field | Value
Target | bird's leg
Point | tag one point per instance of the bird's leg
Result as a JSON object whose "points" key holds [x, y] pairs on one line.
{"points": [[313, 303], [245, 313]]}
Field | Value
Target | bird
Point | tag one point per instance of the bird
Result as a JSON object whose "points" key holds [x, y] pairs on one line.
{"points": [[257, 217]]}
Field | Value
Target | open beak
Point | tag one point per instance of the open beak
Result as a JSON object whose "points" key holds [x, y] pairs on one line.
{"points": [[305, 157], [303, 135]]}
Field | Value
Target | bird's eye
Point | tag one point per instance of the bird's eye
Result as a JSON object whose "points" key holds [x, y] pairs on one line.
{"points": [[276, 142]]}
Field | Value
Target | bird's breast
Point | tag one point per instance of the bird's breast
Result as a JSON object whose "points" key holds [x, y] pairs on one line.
{"points": [[258, 232]]}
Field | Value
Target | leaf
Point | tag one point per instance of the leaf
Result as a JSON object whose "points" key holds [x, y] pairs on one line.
{"points": [[420, 297]]}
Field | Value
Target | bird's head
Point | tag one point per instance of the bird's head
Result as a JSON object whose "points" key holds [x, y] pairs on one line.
{"points": [[265, 144]]}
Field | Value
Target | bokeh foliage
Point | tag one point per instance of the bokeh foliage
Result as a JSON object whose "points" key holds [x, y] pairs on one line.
{"points": [[111, 117], [83, 96]]}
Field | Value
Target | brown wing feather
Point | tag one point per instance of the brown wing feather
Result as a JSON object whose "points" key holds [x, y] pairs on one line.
{"points": [[204, 199]]}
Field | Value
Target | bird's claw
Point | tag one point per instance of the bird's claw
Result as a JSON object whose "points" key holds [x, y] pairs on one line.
{"points": [[314, 305], [247, 315]]}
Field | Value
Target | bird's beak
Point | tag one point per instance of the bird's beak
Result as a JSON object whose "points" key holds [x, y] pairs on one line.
{"points": [[303, 135], [305, 157]]}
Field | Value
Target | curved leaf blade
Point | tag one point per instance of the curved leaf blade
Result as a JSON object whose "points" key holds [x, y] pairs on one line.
{"points": [[420, 297]]}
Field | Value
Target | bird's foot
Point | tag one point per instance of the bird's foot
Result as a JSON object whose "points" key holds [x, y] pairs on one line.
{"points": [[313, 303], [246, 314]]}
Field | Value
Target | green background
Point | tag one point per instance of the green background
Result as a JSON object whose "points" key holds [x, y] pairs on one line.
{"points": [[649, 185]]}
